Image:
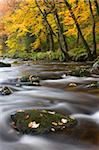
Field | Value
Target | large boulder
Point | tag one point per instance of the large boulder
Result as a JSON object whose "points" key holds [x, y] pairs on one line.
{"points": [[2, 64], [41, 121]]}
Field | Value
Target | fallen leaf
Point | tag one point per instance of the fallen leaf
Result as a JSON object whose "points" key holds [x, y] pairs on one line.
{"points": [[64, 120], [33, 125], [51, 112], [52, 129], [54, 123]]}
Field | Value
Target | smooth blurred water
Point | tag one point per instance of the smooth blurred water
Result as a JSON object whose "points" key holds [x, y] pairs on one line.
{"points": [[80, 102]]}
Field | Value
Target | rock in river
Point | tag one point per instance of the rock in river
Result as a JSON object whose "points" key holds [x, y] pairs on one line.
{"points": [[30, 80], [5, 90], [41, 121], [2, 64]]}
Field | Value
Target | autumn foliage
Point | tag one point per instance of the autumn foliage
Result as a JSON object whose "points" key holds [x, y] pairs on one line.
{"points": [[51, 25]]}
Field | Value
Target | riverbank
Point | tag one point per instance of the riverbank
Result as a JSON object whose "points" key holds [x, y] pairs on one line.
{"points": [[76, 55]]}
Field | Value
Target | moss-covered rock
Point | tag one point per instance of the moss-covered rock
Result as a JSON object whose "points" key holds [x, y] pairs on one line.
{"points": [[30, 80], [94, 84], [41, 121], [80, 72], [2, 64]]}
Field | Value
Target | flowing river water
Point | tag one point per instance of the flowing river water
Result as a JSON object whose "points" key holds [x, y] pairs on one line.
{"points": [[81, 101]]}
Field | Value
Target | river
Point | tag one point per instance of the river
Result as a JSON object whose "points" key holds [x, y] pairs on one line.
{"points": [[80, 101]]}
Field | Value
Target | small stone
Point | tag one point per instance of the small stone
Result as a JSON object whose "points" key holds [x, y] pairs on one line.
{"points": [[6, 91], [20, 110], [18, 84], [33, 78], [72, 85]]}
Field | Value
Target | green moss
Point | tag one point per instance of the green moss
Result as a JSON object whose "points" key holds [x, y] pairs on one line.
{"points": [[49, 55], [80, 72], [78, 54], [41, 121]]}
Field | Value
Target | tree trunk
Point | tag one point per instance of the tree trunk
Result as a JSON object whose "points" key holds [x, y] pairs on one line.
{"points": [[79, 30], [97, 6], [60, 46], [77, 42], [61, 36], [76, 2], [93, 29], [51, 33]]}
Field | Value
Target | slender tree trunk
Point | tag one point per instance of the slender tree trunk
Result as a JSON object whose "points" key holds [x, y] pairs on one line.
{"points": [[47, 38], [77, 2], [93, 30], [78, 36], [79, 30], [97, 6], [77, 42], [62, 36], [61, 48], [51, 33]]}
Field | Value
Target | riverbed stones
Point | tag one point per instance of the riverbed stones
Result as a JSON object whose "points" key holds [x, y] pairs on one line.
{"points": [[2, 64], [41, 121], [5, 91]]}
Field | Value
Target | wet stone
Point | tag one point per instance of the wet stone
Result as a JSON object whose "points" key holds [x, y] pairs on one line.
{"points": [[94, 84], [30, 80], [72, 84], [5, 91], [2, 64], [41, 122]]}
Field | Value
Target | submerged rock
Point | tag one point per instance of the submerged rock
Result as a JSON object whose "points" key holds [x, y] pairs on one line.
{"points": [[6, 91], [40, 121], [72, 84], [2, 64]]}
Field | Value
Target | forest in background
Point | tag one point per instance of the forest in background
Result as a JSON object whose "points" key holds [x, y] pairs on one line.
{"points": [[50, 29]]}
